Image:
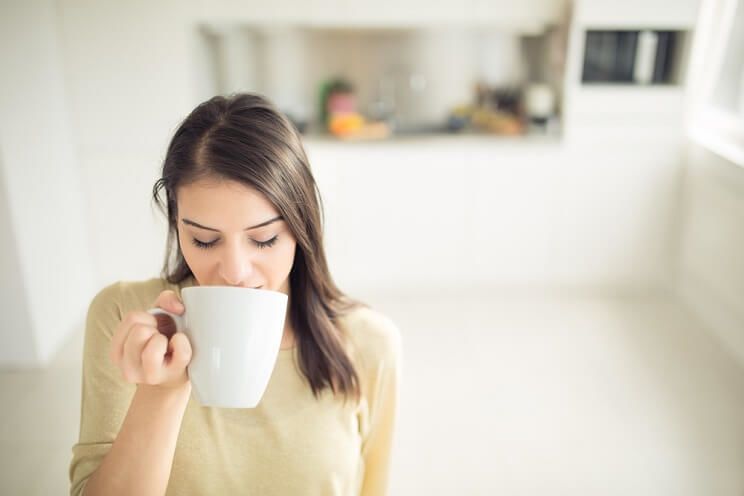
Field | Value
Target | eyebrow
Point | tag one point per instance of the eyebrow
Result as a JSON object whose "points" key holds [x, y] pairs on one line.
{"points": [[265, 223]]}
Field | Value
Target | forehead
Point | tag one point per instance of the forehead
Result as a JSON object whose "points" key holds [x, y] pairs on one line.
{"points": [[216, 203]]}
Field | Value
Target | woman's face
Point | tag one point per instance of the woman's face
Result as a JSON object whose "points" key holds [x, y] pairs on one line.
{"points": [[231, 235]]}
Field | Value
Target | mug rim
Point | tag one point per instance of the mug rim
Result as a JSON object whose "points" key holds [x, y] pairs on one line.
{"points": [[261, 291]]}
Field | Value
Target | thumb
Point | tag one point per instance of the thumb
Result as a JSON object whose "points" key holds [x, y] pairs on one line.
{"points": [[169, 301]]}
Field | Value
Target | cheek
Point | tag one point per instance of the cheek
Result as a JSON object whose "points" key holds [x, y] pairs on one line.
{"points": [[196, 258], [279, 264], [284, 257], [193, 255]]}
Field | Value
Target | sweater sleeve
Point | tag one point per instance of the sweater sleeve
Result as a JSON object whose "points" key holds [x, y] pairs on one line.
{"points": [[383, 396], [105, 395]]}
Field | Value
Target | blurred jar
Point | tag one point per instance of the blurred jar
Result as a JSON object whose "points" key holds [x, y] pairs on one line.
{"points": [[539, 102]]}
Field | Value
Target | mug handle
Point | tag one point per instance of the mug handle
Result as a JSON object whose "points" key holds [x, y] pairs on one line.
{"points": [[177, 319]]}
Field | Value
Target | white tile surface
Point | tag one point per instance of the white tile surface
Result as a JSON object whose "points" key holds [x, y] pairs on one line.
{"points": [[502, 394]]}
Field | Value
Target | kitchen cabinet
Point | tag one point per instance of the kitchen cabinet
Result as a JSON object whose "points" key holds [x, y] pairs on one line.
{"points": [[444, 212]]}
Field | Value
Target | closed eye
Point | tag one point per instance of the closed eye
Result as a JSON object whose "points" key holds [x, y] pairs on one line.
{"points": [[260, 244]]}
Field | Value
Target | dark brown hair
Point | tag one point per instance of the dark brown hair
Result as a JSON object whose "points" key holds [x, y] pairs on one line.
{"points": [[244, 138]]}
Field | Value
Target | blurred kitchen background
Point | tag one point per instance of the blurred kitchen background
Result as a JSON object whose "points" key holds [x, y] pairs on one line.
{"points": [[546, 196]]}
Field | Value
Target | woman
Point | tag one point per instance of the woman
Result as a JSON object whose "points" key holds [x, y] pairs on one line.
{"points": [[243, 209]]}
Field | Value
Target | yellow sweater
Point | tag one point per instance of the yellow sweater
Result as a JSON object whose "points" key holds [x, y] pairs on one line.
{"points": [[290, 444]]}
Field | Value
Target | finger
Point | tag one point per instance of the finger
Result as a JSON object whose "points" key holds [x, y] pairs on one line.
{"points": [[180, 351], [169, 301], [133, 346], [153, 356], [116, 352]]}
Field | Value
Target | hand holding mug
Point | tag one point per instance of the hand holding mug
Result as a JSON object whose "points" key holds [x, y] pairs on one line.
{"points": [[148, 349]]}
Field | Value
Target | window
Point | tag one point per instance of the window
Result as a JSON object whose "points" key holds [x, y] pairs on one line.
{"points": [[716, 79], [729, 90]]}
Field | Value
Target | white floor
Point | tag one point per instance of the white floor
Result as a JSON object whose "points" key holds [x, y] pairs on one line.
{"points": [[502, 394]]}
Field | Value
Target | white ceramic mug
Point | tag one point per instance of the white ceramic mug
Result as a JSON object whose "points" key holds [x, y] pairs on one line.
{"points": [[235, 334]]}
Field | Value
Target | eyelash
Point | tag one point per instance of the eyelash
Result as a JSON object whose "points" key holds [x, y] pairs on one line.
{"points": [[259, 244]]}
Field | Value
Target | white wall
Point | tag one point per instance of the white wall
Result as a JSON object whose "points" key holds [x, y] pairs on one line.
{"points": [[45, 247], [638, 13], [131, 70], [19, 345], [711, 275], [526, 14]]}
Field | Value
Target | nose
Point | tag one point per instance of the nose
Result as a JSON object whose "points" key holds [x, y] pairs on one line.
{"points": [[236, 267]]}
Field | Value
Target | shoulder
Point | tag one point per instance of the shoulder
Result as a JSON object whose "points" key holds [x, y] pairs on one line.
{"points": [[126, 295], [374, 337]]}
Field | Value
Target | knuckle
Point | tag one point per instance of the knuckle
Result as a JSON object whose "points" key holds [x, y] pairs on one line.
{"points": [[181, 356], [141, 331], [149, 356], [182, 341], [150, 364], [129, 319], [149, 361]]}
